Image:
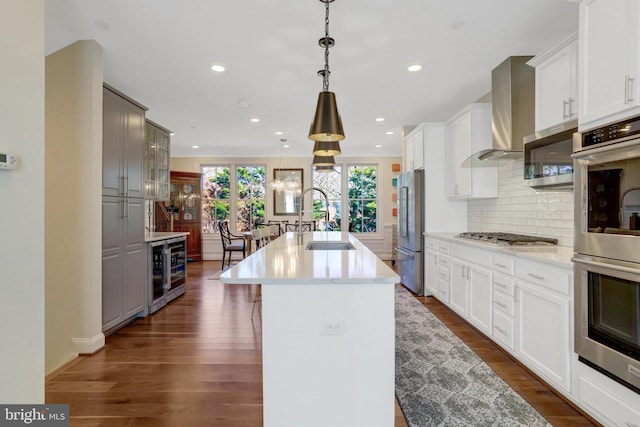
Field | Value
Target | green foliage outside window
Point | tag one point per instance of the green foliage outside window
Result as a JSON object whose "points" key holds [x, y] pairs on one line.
{"points": [[218, 200], [363, 202], [251, 196]]}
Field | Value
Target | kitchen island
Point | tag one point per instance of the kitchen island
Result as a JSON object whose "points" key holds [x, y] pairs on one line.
{"points": [[328, 331]]}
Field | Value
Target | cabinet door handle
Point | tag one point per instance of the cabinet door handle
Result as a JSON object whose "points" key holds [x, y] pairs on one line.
{"points": [[501, 265], [502, 285], [126, 186], [535, 276], [571, 113], [435, 260], [628, 89], [564, 109], [628, 424], [499, 304], [499, 329], [462, 272], [125, 209]]}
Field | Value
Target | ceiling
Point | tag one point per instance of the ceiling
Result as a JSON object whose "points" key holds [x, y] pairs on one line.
{"points": [[160, 53]]}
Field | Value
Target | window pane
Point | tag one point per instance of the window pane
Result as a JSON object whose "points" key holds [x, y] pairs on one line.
{"points": [[330, 183], [216, 194], [251, 197], [363, 198]]}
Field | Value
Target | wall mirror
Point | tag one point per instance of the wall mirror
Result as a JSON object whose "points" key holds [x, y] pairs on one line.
{"points": [[287, 184]]}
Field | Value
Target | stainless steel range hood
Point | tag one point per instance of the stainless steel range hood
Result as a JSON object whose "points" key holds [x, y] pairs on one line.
{"points": [[512, 111]]}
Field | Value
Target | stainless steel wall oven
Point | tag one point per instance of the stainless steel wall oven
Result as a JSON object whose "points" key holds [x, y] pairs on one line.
{"points": [[607, 247]]}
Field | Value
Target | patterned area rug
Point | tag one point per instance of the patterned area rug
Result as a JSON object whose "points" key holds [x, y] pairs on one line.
{"points": [[442, 382]]}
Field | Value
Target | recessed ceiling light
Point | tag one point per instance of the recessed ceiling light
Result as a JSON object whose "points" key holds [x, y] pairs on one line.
{"points": [[380, 119], [195, 146], [279, 133], [389, 132], [218, 68], [286, 146], [171, 133], [414, 67], [378, 145], [254, 120]]}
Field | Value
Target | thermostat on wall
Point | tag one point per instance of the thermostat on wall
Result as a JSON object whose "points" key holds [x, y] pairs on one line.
{"points": [[7, 161]]}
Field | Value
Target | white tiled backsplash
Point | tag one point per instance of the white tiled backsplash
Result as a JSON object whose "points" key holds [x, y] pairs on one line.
{"points": [[520, 209]]}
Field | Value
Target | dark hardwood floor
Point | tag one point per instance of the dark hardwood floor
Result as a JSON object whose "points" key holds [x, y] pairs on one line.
{"points": [[197, 362]]}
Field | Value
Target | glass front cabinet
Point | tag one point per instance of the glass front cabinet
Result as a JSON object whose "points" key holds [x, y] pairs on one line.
{"points": [[156, 161]]}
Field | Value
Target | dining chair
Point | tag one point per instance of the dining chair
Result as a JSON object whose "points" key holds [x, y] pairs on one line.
{"points": [[261, 236], [231, 243], [291, 227], [275, 227]]}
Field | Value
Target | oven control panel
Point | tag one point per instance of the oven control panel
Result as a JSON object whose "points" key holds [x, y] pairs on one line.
{"points": [[611, 132]]}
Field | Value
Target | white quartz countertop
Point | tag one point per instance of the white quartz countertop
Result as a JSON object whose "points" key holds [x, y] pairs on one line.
{"points": [[152, 237], [286, 261], [552, 254]]}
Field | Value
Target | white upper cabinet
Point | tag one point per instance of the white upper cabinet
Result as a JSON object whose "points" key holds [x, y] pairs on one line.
{"points": [[414, 149], [469, 132], [557, 83], [609, 35]]}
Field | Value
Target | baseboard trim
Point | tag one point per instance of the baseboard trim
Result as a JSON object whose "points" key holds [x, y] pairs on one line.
{"points": [[85, 346]]}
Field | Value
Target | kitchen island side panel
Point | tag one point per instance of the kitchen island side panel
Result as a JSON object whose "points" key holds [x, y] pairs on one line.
{"points": [[314, 379]]}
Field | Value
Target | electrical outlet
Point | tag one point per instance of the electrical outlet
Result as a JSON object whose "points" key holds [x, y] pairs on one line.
{"points": [[332, 326]]}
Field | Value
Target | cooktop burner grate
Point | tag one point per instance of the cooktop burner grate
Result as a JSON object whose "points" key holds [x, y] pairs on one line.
{"points": [[509, 238]]}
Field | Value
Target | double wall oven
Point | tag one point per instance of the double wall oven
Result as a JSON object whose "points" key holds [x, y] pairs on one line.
{"points": [[607, 250]]}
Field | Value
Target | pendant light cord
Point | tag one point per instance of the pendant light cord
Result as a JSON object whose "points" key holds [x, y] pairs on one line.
{"points": [[327, 44]]}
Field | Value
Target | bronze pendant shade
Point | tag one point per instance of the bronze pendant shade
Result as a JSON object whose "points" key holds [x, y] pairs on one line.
{"points": [[327, 124], [324, 168], [323, 161], [322, 148]]}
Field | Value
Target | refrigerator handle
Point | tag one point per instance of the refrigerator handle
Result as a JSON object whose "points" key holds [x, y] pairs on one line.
{"points": [[405, 252], [404, 212]]}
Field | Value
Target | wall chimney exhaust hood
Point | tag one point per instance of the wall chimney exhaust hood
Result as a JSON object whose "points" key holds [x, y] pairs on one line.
{"points": [[513, 87]]}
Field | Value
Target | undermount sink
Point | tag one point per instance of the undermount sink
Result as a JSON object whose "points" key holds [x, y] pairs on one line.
{"points": [[323, 245]]}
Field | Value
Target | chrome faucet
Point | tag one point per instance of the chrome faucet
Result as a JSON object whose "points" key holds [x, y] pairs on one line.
{"points": [[326, 201]]}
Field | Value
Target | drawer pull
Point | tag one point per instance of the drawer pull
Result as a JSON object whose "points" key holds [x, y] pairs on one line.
{"points": [[502, 285], [628, 424], [499, 329], [501, 265], [499, 304], [535, 276]]}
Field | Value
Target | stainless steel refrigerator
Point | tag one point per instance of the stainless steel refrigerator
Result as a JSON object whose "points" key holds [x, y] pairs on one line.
{"points": [[410, 230]]}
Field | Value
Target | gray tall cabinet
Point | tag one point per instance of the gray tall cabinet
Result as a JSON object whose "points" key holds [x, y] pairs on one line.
{"points": [[123, 210]]}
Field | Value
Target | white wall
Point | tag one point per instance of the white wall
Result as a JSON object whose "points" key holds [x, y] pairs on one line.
{"points": [[73, 188], [520, 209], [380, 243], [21, 202]]}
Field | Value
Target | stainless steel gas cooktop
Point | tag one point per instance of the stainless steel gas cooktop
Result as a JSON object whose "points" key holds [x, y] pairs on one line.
{"points": [[507, 238]]}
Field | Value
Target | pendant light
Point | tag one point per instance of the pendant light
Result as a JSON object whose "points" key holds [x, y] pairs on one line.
{"points": [[327, 124], [323, 161], [324, 168], [326, 148]]}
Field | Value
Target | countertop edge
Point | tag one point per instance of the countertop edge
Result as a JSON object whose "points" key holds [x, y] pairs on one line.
{"points": [[555, 255], [154, 237]]}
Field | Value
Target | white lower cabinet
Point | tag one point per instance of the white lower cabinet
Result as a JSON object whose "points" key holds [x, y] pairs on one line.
{"points": [[458, 287], [607, 401], [431, 270], [444, 278], [543, 321], [480, 298], [470, 286], [437, 269]]}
